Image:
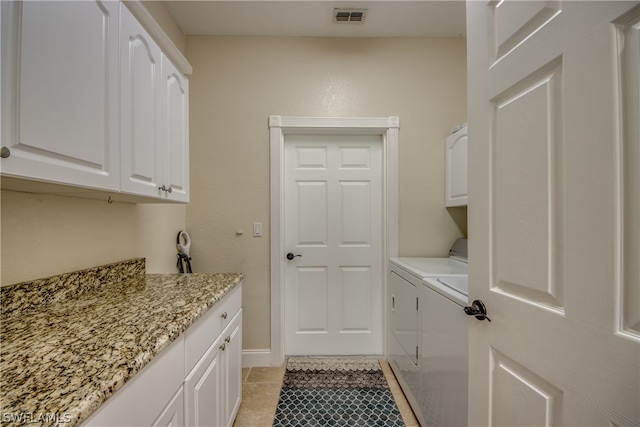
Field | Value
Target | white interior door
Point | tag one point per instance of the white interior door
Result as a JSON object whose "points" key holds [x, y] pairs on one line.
{"points": [[333, 220], [553, 120]]}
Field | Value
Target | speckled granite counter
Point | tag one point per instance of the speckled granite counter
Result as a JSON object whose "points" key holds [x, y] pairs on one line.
{"points": [[68, 343]]}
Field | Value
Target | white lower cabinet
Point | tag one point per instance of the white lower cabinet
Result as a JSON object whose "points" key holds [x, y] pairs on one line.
{"points": [[173, 413], [203, 390], [148, 395], [196, 381], [213, 387], [232, 371]]}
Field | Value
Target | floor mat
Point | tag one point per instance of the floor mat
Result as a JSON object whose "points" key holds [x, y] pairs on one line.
{"points": [[335, 391]]}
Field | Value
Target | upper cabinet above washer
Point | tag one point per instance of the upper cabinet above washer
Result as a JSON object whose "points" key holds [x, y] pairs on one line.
{"points": [[456, 168], [92, 103]]}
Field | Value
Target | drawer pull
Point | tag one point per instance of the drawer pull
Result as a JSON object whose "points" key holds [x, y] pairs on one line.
{"points": [[223, 346], [224, 315], [228, 339]]}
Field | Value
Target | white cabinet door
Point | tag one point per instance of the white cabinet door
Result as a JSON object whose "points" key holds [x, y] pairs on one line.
{"points": [[155, 117], [140, 86], [175, 132], [456, 168], [60, 92], [173, 413], [213, 389], [203, 389], [232, 365]]}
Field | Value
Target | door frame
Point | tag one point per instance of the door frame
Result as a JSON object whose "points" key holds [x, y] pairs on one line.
{"points": [[279, 127]]}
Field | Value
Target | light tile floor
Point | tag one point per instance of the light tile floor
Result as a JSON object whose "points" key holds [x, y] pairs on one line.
{"points": [[261, 390]]}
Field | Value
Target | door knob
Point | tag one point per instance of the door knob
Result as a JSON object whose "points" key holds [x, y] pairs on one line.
{"points": [[478, 310], [291, 256]]}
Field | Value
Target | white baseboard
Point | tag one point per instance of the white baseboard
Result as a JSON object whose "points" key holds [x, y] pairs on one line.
{"points": [[256, 358]]}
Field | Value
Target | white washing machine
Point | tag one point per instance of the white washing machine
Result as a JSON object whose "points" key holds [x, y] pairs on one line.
{"points": [[427, 333]]}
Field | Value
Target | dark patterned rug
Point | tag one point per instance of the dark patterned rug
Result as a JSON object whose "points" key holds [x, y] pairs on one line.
{"points": [[335, 391]]}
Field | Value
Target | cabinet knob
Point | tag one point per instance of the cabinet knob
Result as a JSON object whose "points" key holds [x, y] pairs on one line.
{"points": [[223, 346], [224, 315], [165, 189], [228, 339], [5, 152]]}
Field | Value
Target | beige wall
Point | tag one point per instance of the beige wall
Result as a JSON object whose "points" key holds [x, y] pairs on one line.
{"points": [[44, 234], [239, 81]]}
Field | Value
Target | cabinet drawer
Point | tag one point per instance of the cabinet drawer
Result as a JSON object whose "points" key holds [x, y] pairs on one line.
{"points": [[201, 334]]}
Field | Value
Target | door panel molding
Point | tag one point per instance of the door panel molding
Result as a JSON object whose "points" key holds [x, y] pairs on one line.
{"points": [[279, 128], [628, 176], [526, 195]]}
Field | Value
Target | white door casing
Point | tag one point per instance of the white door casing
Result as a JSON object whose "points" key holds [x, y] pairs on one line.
{"points": [[281, 128], [553, 117], [333, 221]]}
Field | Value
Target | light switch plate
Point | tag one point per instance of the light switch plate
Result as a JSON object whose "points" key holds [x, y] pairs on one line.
{"points": [[257, 229]]}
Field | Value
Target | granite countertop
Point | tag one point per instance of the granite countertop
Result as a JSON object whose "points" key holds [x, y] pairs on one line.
{"points": [[67, 345]]}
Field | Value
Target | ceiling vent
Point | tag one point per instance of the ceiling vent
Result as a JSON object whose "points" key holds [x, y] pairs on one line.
{"points": [[349, 15]]}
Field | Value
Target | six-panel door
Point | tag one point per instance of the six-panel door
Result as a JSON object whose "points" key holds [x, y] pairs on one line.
{"points": [[333, 219], [553, 93]]}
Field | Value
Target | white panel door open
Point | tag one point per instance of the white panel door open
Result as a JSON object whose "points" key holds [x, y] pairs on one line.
{"points": [[553, 116]]}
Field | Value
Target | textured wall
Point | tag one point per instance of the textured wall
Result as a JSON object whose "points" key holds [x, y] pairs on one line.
{"points": [[239, 81], [44, 234]]}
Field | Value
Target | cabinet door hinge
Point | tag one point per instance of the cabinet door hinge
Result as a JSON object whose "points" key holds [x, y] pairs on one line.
{"points": [[417, 304], [416, 352]]}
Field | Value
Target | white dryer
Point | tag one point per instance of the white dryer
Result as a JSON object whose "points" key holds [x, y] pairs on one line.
{"points": [[412, 303]]}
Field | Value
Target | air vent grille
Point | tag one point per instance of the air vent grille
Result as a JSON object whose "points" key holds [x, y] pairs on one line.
{"points": [[349, 15]]}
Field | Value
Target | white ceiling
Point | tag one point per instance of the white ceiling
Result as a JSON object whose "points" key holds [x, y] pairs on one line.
{"points": [[396, 18]]}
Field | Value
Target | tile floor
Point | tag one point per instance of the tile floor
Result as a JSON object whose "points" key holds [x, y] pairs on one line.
{"points": [[261, 390]]}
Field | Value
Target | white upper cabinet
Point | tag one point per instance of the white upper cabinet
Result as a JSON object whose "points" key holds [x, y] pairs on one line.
{"points": [[456, 168], [60, 92], [175, 132], [154, 117], [90, 100], [140, 88]]}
